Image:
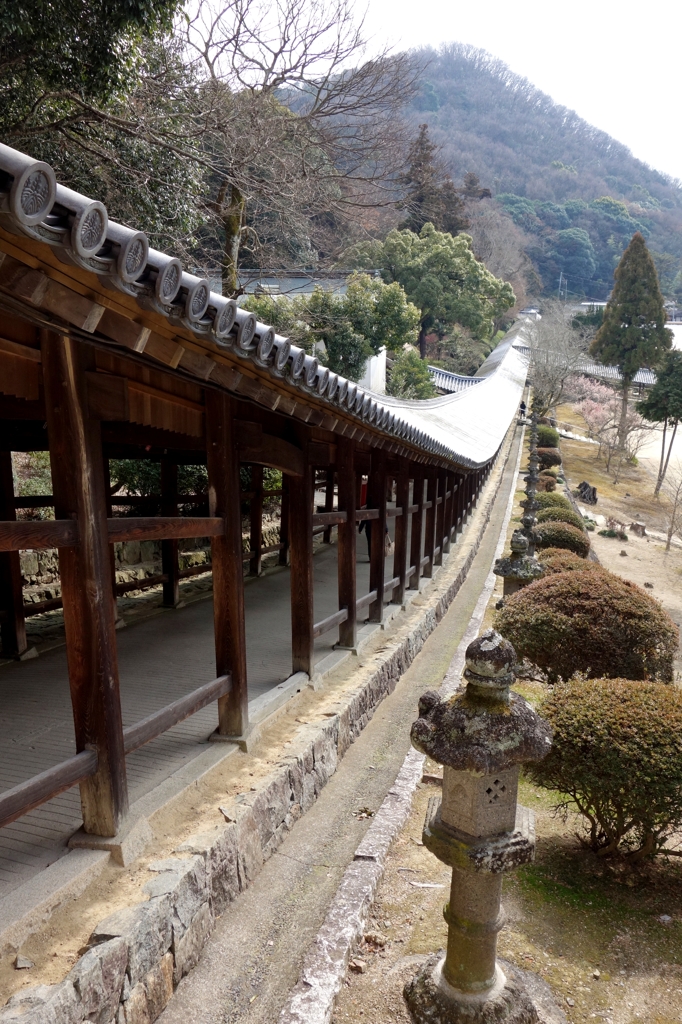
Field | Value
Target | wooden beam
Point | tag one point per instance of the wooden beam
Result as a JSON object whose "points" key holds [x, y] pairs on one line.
{"points": [[348, 536], [226, 560], [35, 536], [284, 522], [163, 528], [329, 519], [274, 452], [376, 499], [430, 530], [108, 397], [12, 622], [36, 791], [440, 516], [401, 528], [335, 619], [328, 501], [169, 546], [417, 526], [301, 498], [156, 724], [87, 587]]}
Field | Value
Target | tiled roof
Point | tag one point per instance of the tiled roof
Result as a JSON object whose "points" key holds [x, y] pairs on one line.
{"points": [[466, 427]]}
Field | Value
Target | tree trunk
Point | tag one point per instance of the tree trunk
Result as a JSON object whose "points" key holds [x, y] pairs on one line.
{"points": [[622, 426], [661, 477], [232, 218], [422, 341]]}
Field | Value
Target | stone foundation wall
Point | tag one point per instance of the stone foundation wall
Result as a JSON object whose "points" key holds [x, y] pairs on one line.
{"points": [[138, 954]]}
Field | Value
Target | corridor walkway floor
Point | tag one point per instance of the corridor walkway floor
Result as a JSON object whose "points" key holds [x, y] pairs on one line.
{"points": [[160, 659]]}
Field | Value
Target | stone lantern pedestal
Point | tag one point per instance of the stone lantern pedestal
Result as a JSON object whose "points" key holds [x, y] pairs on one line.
{"points": [[520, 568], [481, 735]]}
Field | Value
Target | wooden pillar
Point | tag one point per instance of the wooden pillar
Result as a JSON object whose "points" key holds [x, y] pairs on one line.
{"points": [[89, 619], [301, 497], [449, 510], [417, 528], [256, 520], [169, 548], [329, 502], [348, 539], [12, 622], [402, 499], [430, 531], [376, 498], [222, 460], [440, 516], [284, 523]]}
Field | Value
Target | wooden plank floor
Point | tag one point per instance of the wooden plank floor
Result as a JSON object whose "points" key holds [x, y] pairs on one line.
{"points": [[160, 659]]}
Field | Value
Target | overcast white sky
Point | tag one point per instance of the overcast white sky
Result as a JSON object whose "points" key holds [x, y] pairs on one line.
{"points": [[618, 64]]}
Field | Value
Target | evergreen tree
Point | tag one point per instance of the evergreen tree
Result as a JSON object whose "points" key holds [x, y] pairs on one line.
{"points": [[409, 377], [633, 333], [663, 405], [430, 195]]}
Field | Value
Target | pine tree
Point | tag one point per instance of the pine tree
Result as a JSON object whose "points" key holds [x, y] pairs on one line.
{"points": [[633, 333], [430, 195]]}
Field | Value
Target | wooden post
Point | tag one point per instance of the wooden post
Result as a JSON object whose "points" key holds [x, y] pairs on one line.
{"points": [[376, 498], [449, 507], [430, 531], [301, 497], [169, 548], [348, 539], [12, 622], [256, 520], [402, 497], [284, 523], [222, 460], [329, 502], [417, 528], [85, 570], [442, 480]]}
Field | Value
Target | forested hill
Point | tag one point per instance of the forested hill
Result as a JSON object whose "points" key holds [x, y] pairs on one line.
{"points": [[578, 193]]}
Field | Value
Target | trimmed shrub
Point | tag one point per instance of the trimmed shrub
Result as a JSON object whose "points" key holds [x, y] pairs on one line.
{"points": [[546, 484], [614, 534], [557, 560], [553, 471], [553, 501], [549, 457], [561, 515], [548, 437], [564, 535], [616, 759], [590, 622]]}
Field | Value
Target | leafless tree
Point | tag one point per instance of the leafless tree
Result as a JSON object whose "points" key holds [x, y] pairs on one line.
{"points": [[557, 350], [672, 488], [500, 244]]}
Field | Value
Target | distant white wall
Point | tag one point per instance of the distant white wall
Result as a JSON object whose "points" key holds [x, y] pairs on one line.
{"points": [[374, 377]]}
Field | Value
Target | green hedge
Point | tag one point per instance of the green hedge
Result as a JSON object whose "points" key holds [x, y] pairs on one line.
{"points": [[564, 535], [561, 515], [557, 560], [616, 759], [548, 437], [590, 622], [553, 500]]}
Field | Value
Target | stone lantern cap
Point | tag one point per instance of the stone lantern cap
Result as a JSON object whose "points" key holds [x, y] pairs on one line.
{"points": [[483, 728], [519, 565]]}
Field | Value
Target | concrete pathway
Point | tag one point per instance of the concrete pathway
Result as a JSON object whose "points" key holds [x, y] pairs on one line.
{"points": [[255, 953]]}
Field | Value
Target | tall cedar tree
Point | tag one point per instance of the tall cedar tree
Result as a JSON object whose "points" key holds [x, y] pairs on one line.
{"points": [[633, 333], [431, 196], [663, 405]]}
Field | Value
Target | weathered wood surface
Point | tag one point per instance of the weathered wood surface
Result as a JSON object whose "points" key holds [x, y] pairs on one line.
{"points": [[256, 520], [36, 536], [348, 536], [87, 586], [301, 498], [417, 526], [169, 546], [401, 529], [226, 559], [330, 622], [376, 499], [162, 527], [41, 788], [154, 725]]}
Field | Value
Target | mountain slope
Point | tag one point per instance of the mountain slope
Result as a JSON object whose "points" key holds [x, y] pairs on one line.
{"points": [[578, 193]]}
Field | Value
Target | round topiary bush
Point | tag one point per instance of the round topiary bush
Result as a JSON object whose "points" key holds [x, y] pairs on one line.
{"points": [[548, 437], [549, 457], [563, 535], [552, 500], [616, 759], [560, 560], [553, 471], [561, 515], [546, 484], [591, 622]]}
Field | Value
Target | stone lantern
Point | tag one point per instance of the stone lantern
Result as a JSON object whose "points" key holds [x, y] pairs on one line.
{"points": [[519, 568], [481, 735]]}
